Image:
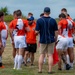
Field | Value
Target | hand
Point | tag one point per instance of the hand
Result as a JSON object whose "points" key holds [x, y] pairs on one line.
{"points": [[13, 40], [56, 42]]}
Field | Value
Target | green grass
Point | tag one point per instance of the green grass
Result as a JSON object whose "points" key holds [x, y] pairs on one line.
{"points": [[29, 70]]}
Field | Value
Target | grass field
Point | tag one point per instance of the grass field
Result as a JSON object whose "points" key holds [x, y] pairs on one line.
{"points": [[29, 70]]}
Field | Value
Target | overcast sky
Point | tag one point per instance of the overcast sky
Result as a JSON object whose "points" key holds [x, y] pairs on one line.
{"points": [[37, 6]]}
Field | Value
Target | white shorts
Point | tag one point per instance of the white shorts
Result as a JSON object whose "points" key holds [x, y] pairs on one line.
{"points": [[70, 41], [4, 42], [20, 42], [62, 44]]}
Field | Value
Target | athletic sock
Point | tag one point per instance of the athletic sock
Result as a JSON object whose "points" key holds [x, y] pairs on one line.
{"points": [[28, 60], [16, 61], [64, 66], [68, 59], [19, 61], [71, 64], [22, 60], [44, 60]]}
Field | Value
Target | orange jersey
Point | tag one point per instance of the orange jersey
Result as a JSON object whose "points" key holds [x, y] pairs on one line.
{"points": [[18, 26], [66, 27], [31, 36], [63, 24]]}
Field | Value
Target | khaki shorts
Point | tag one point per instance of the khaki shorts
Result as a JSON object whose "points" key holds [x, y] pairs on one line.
{"points": [[47, 48]]}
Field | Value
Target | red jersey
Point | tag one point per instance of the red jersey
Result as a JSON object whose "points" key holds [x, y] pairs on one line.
{"points": [[18, 26]]}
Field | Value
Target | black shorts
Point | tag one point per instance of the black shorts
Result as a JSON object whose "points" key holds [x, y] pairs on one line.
{"points": [[32, 47]]}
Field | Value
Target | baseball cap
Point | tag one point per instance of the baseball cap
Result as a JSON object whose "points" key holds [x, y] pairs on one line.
{"points": [[30, 18], [46, 9]]}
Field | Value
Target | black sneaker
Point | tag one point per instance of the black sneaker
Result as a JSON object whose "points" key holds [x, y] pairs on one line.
{"points": [[59, 69], [32, 64], [68, 67], [0, 64], [25, 64], [40, 72], [51, 72]]}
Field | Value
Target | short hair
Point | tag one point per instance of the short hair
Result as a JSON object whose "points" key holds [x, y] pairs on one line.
{"points": [[18, 13], [14, 12], [64, 9], [41, 14], [62, 15], [1, 14], [30, 14], [68, 15]]}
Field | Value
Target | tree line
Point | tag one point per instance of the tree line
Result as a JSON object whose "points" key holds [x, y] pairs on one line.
{"points": [[9, 17]]}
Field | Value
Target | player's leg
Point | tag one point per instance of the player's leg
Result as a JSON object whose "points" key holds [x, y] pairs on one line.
{"points": [[50, 49], [20, 57], [32, 52], [1, 51], [42, 55], [14, 50], [26, 54], [71, 51]]}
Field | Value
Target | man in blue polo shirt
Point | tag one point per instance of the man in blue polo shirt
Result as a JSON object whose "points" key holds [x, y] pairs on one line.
{"points": [[47, 28]]}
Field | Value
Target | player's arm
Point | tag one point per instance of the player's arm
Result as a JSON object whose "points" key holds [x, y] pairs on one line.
{"points": [[73, 27], [56, 34], [27, 29], [0, 40], [1, 28], [59, 27], [11, 31], [56, 30], [37, 28], [36, 32]]}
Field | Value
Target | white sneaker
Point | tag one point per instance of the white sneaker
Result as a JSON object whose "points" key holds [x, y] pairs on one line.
{"points": [[64, 66], [14, 68], [19, 68], [28, 60], [71, 68]]}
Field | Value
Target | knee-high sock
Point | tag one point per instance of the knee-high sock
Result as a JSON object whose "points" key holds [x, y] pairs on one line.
{"points": [[16, 61], [68, 59], [19, 61]]}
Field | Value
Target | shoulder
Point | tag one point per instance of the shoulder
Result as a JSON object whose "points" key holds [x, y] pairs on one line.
{"points": [[39, 19], [13, 21], [24, 21], [2, 24], [52, 19]]}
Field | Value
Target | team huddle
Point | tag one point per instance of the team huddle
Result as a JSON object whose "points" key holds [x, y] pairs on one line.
{"points": [[51, 35]]}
